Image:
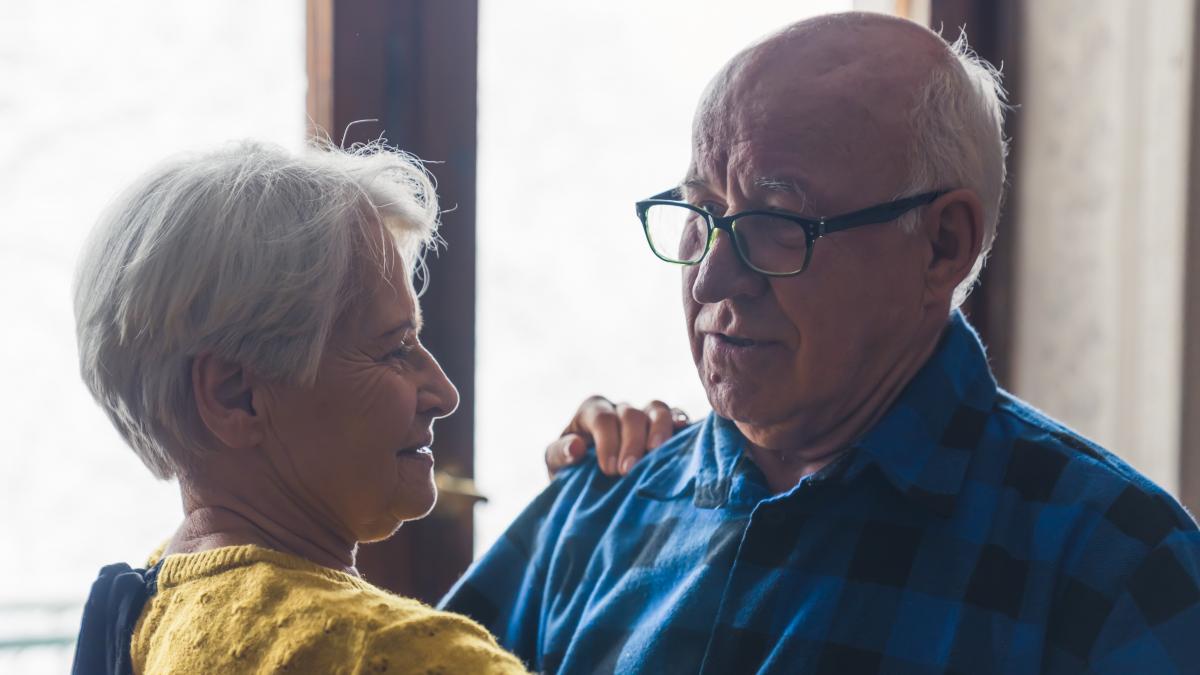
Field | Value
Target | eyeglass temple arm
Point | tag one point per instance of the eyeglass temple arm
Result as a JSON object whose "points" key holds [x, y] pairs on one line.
{"points": [[877, 214]]}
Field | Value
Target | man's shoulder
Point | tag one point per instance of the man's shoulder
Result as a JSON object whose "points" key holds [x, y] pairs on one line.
{"points": [[1122, 556], [582, 501], [662, 473], [504, 589], [1050, 464]]}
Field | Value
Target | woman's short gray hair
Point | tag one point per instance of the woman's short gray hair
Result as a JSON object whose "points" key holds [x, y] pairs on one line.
{"points": [[958, 141], [250, 253]]}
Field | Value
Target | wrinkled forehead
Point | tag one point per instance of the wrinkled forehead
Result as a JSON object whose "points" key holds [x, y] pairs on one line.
{"points": [[380, 294], [823, 114]]}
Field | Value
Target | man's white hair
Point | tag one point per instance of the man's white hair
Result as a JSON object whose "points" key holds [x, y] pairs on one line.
{"points": [[250, 253], [958, 141]]}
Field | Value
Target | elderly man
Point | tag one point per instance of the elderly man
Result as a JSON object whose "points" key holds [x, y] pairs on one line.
{"points": [[863, 498]]}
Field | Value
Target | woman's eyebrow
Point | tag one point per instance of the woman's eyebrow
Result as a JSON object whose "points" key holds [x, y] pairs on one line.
{"points": [[413, 325]]}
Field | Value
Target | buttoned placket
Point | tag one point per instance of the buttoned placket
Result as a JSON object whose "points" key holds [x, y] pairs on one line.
{"points": [[766, 518]]}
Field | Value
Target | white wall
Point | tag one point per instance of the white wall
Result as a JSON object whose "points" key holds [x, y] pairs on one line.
{"points": [[1102, 184]]}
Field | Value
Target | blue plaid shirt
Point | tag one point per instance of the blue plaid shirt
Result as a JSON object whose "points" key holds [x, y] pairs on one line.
{"points": [[964, 533]]}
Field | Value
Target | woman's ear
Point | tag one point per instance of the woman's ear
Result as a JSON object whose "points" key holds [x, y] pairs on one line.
{"points": [[225, 401], [954, 227]]}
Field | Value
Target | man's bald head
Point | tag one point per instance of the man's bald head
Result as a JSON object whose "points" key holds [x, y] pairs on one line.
{"points": [[862, 64], [883, 100], [863, 44]]}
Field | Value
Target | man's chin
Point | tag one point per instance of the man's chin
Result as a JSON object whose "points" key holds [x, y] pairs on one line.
{"points": [[745, 403]]}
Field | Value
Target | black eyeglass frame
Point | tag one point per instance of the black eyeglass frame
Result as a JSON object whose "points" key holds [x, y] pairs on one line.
{"points": [[814, 228]]}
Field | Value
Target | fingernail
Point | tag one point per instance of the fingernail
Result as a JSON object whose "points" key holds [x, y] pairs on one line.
{"points": [[626, 465], [566, 451]]}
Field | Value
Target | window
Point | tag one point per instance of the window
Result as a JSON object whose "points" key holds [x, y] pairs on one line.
{"points": [[94, 94], [584, 108]]}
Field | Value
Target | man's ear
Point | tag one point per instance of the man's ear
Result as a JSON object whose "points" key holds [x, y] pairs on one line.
{"points": [[953, 224], [225, 401]]}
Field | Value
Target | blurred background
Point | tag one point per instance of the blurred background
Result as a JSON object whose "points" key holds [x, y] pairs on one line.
{"points": [[545, 122]]}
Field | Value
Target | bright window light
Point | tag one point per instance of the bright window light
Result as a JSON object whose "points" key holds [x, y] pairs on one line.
{"points": [[94, 94], [584, 108]]}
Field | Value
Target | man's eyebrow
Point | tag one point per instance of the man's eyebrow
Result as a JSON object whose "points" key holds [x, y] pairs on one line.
{"points": [[690, 184], [783, 186], [774, 184], [765, 183]]}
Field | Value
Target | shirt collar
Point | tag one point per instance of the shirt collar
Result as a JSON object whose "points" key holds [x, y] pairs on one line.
{"points": [[713, 461], [922, 445]]}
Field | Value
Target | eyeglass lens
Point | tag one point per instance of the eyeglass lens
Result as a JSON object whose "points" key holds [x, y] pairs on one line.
{"points": [[770, 244]]}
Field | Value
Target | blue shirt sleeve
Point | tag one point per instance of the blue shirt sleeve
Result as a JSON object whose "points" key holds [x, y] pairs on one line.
{"points": [[1153, 625], [505, 590], [1128, 594]]}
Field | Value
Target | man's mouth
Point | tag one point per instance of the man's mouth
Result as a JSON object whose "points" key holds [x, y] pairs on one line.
{"points": [[738, 350], [736, 341]]}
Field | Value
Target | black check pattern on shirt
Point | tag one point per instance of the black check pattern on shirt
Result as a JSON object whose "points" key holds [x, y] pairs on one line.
{"points": [[966, 533]]}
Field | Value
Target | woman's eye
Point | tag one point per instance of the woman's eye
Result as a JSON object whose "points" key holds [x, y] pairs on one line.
{"points": [[712, 207], [400, 353]]}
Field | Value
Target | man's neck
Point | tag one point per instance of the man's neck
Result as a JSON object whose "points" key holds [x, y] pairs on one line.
{"points": [[786, 458], [214, 518]]}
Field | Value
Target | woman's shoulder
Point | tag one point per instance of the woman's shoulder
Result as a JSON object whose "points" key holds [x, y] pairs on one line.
{"points": [[404, 633], [423, 639], [253, 608]]}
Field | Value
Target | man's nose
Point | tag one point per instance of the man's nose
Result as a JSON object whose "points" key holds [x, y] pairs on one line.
{"points": [[722, 275]]}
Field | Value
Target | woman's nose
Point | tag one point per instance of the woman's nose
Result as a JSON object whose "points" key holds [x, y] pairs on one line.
{"points": [[439, 396]]}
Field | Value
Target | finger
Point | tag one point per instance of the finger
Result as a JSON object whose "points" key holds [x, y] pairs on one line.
{"points": [[680, 418], [634, 425], [601, 423], [564, 452], [590, 406], [662, 424]]}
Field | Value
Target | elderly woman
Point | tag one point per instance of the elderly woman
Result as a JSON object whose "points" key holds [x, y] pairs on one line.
{"points": [[247, 320]]}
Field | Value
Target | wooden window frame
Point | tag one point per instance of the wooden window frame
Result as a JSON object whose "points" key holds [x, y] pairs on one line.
{"points": [[411, 65]]}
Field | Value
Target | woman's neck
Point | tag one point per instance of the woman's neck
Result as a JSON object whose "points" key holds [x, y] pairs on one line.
{"points": [[214, 519]]}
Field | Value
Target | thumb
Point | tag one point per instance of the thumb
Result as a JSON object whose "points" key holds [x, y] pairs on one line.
{"points": [[564, 452]]}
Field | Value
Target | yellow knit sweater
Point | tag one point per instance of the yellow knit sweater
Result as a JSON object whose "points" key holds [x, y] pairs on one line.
{"points": [[247, 609]]}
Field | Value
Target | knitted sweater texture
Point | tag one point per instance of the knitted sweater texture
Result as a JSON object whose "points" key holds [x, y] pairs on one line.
{"points": [[247, 609]]}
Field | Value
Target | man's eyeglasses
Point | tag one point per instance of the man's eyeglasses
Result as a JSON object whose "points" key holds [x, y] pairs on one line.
{"points": [[774, 243]]}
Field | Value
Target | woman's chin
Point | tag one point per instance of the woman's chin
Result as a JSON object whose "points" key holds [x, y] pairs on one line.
{"points": [[408, 508], [427, 505]]}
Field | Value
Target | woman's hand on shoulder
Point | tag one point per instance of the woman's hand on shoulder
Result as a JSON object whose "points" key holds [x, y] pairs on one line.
{"points": [[621, 433]]}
